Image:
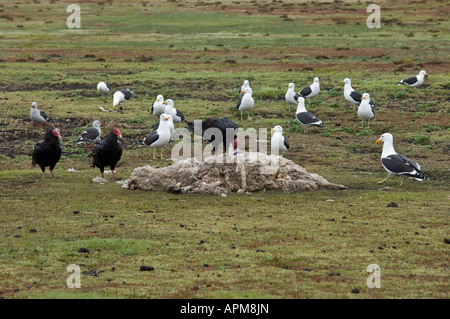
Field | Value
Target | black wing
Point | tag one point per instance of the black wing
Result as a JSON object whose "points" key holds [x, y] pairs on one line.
{"points": [[127, 94], [286, 143], [227, 123], [305, 92], [107, 85], [408, 161], [307, 118], [181, 116], [98, 153], [151, 138], [356, 96], [89, 134], [411, 80], [153, 107], [38, 154], [44, 115], [238, 104], [399, 164]]}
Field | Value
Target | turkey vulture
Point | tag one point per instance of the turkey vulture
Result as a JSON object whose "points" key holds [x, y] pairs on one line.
{"points": [[48, 152], [107, 152], [227, 128]]}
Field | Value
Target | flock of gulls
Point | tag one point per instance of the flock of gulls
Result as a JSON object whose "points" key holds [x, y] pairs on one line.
{"points": [[107, 152]]}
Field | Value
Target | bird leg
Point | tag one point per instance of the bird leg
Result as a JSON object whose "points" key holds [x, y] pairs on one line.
{"points": [[103, 174], [248, 116], [53, 175], [368, 124], [85, 147], [154, 153], [241, 116], [161, 153], [114, 175], [43, 174], [381, 182], [362, 123]]}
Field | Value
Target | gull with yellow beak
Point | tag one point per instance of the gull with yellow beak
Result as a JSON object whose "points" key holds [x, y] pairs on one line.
{"points": [[289, 96], [304, 117], [310, 91], [104, 87], [365, 109], [246, 103], [177, 116], [397, 164], [414, 80], [160, 137], [243, 87], [278, 143], [158, 107]]}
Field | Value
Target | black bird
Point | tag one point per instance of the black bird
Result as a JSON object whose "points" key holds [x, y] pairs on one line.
{"points": [[107, 152], [228, 132], [48, 152]]}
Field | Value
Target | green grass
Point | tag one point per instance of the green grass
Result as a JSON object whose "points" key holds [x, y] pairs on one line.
{"points": [[256, 245]]}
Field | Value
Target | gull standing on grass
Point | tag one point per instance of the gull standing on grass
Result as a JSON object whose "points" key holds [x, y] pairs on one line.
{"points": [[365, 110], [397, 164], [246, 103]]}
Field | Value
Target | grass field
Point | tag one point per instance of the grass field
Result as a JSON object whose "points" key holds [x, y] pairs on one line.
{"points": [[314, 244]]}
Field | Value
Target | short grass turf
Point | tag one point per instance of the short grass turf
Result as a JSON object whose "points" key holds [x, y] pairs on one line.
{"points": [[258, 245]]}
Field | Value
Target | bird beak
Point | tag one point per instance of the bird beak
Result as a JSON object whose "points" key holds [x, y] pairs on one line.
{"points": [[426, 74], [378, 141], [101, 124], [342, 82], [98, 89], [297, 101], [362, 97], [166, 118], [273, 130], [119, 136], [164, 103], [242, 91]]}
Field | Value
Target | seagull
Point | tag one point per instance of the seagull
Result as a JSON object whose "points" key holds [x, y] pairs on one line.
{"points": [[160, 137], [246, 102], [290, 95], [103, 86], [305, 117], [278, 143], [177, 116], [365, 110], [91, 134], [243, 87], [310, 91], [350, 94], [170, 123], [38, 116], [158, 106], [121, 96], [414, 80], [397, 164]]}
